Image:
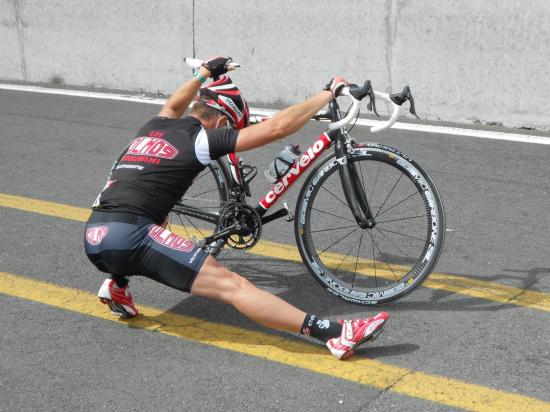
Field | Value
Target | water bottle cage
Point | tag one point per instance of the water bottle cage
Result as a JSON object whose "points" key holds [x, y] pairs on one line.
{"points": [[279, 174]]}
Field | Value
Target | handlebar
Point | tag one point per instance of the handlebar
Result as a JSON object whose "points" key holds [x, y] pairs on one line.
{"points": [[396, 109], [352, 114], [356, 94]]}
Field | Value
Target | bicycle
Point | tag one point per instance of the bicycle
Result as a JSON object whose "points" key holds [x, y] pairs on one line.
{"points": [[361, 194]]}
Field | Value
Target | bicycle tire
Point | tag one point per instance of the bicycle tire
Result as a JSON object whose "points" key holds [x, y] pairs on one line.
{"points": [[209, 191], [320, 210]]}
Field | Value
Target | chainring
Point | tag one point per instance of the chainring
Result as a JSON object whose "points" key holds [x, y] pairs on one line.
{"points": [[250, 221]]}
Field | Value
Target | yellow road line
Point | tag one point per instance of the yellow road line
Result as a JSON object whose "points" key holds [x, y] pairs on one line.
{"points": [[373, 373], [451, 283]]}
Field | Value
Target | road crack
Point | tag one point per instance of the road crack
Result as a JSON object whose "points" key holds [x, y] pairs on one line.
{"points": [[511, 299]]}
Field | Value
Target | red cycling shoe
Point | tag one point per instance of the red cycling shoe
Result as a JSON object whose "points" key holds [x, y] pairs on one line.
{"points": [[118, 299], [355, 332]]}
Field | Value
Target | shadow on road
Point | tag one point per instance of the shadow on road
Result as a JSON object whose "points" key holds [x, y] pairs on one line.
{"points": [[292, 282]]}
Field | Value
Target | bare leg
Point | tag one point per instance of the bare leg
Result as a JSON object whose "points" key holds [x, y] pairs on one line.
{"points": [[217, 282]]}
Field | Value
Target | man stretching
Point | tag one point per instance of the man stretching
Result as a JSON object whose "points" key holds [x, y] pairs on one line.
{"points": [[125, 234]]}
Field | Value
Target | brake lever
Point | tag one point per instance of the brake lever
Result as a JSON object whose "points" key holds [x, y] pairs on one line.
{"points": [[361, 92], [372, 103], [412, 110], [400, 98]]}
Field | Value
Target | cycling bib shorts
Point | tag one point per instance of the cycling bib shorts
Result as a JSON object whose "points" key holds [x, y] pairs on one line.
{"points": [[128, 244]]}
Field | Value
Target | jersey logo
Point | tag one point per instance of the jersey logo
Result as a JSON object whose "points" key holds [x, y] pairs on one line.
{"points": [[95, 235], [152, 146], [169, 239]]}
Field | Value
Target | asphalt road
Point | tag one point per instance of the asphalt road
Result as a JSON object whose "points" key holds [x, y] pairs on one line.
{"points": [[59, 149]]}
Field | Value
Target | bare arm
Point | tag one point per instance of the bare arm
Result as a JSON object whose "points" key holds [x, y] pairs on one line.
{"points": [[178, 103], [282, 124]]}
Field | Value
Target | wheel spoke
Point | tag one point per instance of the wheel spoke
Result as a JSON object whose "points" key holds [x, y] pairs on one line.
{"points": [[396, 204], [402, 218], [183, 225], [343, 260], [331, 214], [196, 228], [396, 245], [401, 234], [338, 241], [389, 194], [332, 228], [375, 181], [336, 197], [383, 256]]}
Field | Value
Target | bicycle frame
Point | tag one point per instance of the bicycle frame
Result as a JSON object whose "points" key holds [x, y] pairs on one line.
{"points": [[353, 188]]}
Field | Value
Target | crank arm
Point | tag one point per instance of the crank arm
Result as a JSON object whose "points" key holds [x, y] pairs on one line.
{"points": [[235, 229], [224, 234], [274, 216]]}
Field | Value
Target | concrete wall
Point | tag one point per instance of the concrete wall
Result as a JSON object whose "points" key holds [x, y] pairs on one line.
{"points": [[465, 61]]}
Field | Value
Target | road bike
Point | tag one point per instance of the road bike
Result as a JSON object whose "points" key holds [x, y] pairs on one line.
{"points": [[369, 222]]}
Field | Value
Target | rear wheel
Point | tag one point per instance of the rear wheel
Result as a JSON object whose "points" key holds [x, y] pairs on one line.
{"points": [[209, 193], [378, 264]]}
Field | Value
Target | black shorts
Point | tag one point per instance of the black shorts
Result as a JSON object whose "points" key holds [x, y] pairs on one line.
{"points": [[127, 244]]}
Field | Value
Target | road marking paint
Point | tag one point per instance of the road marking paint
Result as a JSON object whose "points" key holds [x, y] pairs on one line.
{"points": [[440, 281], [440, 389], [43, 207], [484, 134], [82, 93]]}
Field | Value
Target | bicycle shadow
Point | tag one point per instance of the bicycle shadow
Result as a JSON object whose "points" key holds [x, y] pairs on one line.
{"points": [[439, 299]]}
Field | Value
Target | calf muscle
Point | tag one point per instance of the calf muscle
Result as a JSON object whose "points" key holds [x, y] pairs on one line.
{"points": [[217, 282]]}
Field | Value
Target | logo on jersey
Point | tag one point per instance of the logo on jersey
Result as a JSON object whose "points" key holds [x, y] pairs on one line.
{"points": [[152, 146], [169, 239], [95, 235]]}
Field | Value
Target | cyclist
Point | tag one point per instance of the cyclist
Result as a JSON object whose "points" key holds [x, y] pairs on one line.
{"points": [[125, 233]]}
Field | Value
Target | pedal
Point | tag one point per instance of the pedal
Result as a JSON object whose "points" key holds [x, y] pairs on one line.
{"points": [[290, 216]]}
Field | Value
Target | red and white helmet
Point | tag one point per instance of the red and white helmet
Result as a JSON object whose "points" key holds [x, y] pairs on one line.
{"points": [[224, 96]]}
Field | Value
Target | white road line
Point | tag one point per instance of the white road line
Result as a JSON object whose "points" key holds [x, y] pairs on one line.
{"points": [[484, 134], [81, 93]]}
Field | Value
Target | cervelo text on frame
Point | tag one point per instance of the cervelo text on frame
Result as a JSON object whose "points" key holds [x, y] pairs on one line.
{"points": [[279, 188]]}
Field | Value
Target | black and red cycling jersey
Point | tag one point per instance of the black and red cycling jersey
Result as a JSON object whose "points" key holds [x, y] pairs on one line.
{"points": [[160, 164]]}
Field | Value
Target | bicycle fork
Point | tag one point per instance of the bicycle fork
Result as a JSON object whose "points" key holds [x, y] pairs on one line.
{"points": [[354, 190]]}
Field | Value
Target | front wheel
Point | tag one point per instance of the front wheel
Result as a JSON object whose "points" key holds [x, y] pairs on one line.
{"points": [[376, 264]]}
